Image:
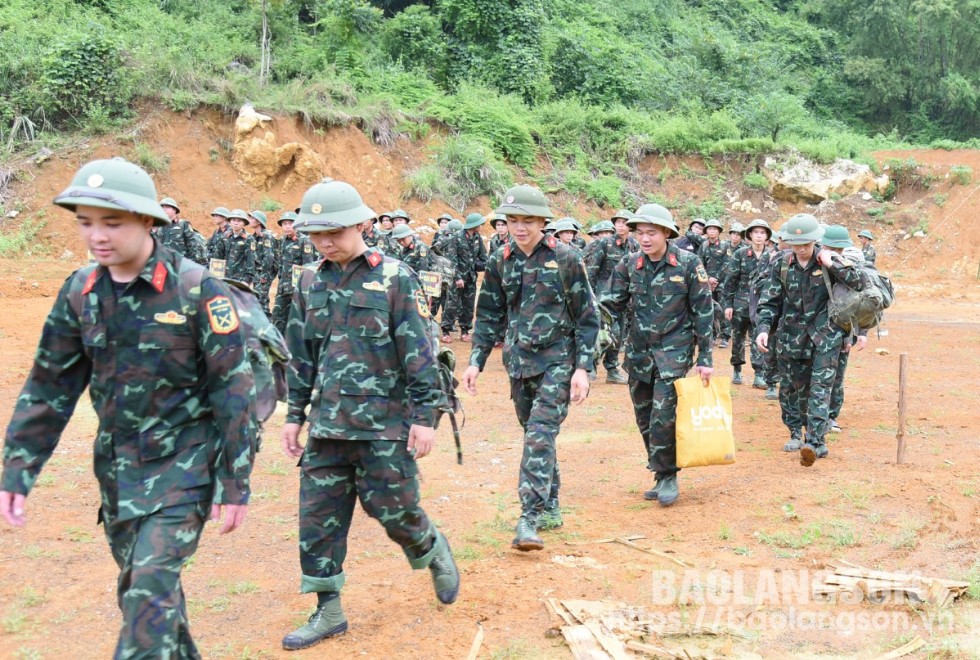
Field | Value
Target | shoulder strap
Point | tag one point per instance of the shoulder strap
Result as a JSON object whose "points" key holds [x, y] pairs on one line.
{"points": [[826, 281]]}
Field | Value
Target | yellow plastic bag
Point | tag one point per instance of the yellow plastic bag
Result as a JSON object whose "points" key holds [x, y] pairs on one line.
{"points": [[704, 422]]}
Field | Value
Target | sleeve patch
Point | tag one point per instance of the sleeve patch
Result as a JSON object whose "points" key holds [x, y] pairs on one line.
{"points": [[222, 315], [422, 304], [701, 273]]}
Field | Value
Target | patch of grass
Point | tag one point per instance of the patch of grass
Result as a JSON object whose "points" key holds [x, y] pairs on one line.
{"points": [[46, 479], [30, 598], [277, 469], [742, 550], [638, 506], [842, 533], [14, 623], [269, 205], [150, 160], [940, 199], [21, 242], [36, 552], [213, 155], [467, 553], [908, 535], [756, 181], [724, 531], [242, 587], [961, 174], [27, 653], [79, 535], [462, 168], [516, 649], [876, 212], [857, 495], [973, 577], [219, 604], [806, 537]]}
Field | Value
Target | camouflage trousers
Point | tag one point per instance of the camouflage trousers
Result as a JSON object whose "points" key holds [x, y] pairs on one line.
{"points": [[150, 552], [837, 396], [460, 307], [280, 311], [620, 331], [262, 292], [438, 302], [541, 403], [742, 326], [655, 408], [722, 326], [770, 364], [334, 475], [805, 389]]}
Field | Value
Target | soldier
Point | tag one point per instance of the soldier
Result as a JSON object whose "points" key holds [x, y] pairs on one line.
{"points": [[541, 288], [499, 224], [178, 234], [867, 249], [692, 240], [238, 250], [442, 244], [809, 344], [386, 243], [665, 291], [742, 274], [415, 253], [714, 254], [363, 361], [222, 231], [469, 257], [294, 250], [566, 232], [736, 234], [157, 342], [778, 251], [600, 265], [266, 256], [577, 239], [369, 234]]}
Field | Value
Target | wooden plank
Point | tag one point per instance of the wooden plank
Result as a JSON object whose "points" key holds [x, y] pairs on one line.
{"points": [[582, 644], [559, 611], [651, 650], [656, 553], [590, 609], [611, 644], [632, 537], [477, 643], [905, 649]]}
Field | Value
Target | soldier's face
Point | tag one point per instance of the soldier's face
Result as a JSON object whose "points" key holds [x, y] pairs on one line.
{"points": [[527, 230], [339, 246], [713, 233], [864, 241], [405, 242], [758, 235], [237, 224], [115, 238], [443, 222], [219, 220], [566, 236], [399, 221], [386, 224], [253, 223], [652, 239], [735, 237], [621, 227], [287, 228], [502, 229], [803, 252], [171, 212], [603, 234], [697, 229]]}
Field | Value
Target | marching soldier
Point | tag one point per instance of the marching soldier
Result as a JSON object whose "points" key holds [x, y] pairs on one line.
{"points": [[295, 250]]}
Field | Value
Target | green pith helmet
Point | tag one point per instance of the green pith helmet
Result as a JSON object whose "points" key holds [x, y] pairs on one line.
{"points": [[402, 231], [737, 228], [604, 225], [444, 216], [474, 220], [288, 216], [331, 205], [239, 214], [777, 236], [378, 219], [525, 200], [454, 225], [836, 236], [625, 214], [565, 224], [802, 228], [866, 234], [171, 202], [758, 222], [398, 213], [260, 216], [113, 184], [696, 221], [497, 218], [662, 219], [714, 223], [222, 212], [657, 211]]}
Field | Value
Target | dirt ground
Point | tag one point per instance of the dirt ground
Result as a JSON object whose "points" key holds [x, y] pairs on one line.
{"points": [[763, 515]]}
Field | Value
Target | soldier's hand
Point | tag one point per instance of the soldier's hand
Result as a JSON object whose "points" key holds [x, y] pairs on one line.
{"points": [[713, 283], [825, 257], [469, 379], [705, 373], [580, 385], [762, 341], [460, 284], [12, 507], [290, 440], [729, 313], [234, 516], [421, 439], [861, 343]]}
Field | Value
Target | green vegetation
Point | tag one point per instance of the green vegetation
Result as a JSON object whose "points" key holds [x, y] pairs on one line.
{"points": [[567, 90], [961, 174]]}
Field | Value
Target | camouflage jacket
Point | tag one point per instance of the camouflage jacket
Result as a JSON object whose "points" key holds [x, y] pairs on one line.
{"points": [[468, 254], [689, 242], [743, 274], [417, 256], [715, 256], [579, 242], [266, 256], [802, 296], [441, 241], [371, 239], [183, 239], [168, 378], [670, 306], [388, 246], [219, 236], [297, 251], [239, 255], [870, 254], [496, 243], [547, 305], [604, 257], [362, 346]]}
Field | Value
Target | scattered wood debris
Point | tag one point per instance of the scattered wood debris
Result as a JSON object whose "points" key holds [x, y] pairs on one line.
{"points": [[878, 586]]}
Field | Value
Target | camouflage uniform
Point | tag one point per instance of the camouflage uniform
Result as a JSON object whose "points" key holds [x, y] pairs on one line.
{"points": [[441, 244], [173, 392], [469, 257], [417, 256], [689, 242], [809, 344], [496, 243], [743, 274], [238, 251], [363, 362], [266, 264], [552, 328], [215, 243], [387, 245], [297, 251], [757, 286], [670, 306], [715, 257], [183, 239], [870, 254], [602, 261], [371, 237]]}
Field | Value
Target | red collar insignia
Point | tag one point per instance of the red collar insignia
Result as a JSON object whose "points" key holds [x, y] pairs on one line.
{"points": [[672, 259], [551, 241], [159, 277], [506, 251], [750, 253], [374, 259], [639, 262], [90, 281]]}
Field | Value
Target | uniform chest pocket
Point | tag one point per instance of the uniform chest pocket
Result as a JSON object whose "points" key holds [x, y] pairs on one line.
{"points": [[368, 315], [548, 285], [170, 355], [317, 325]]}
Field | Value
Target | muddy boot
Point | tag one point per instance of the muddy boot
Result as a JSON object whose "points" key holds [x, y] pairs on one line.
{"points": [[759, 383], [737, 376], [795, 442], [808, 455], [651, 494], [668, 494], [772, 394], [327, 621], [551, 518], [527, 536], [445, 575], [616, 377]]}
